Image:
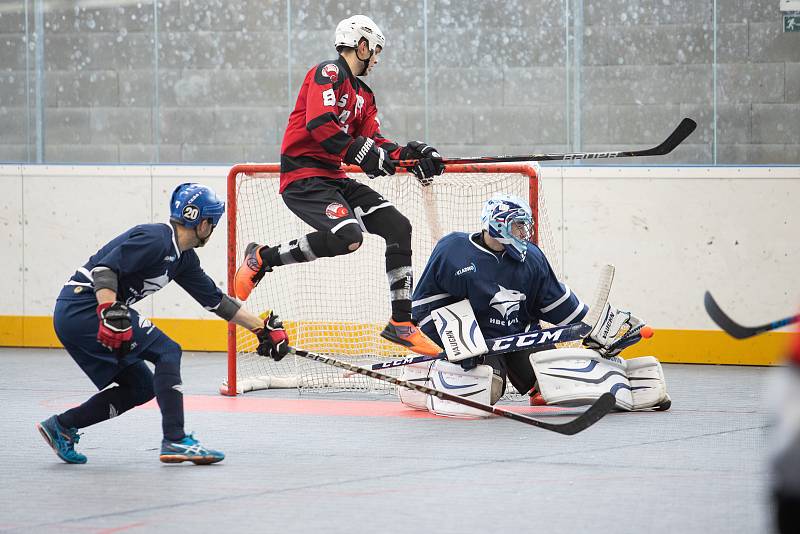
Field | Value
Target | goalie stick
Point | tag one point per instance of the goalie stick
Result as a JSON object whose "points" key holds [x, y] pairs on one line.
{"points": [[735, 329], [684, 129], [558, 334], [596, 411], [503, 345]]}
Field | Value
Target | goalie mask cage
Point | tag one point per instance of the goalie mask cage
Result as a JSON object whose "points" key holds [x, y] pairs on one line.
{"points": [[338, 306]]}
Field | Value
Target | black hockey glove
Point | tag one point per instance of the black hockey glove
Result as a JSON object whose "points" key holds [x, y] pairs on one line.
{"points": [[430, 161], [372, 159], [272, 338]]}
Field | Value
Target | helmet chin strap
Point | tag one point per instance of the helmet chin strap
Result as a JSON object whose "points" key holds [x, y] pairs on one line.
{"points": [[202, 242], [365, 62]]}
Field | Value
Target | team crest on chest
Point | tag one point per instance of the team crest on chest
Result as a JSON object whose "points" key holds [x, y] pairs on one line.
{"points": [[507, 301], [331, 71], [334, 210]]}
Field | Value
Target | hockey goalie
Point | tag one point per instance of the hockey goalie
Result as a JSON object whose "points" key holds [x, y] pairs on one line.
{"points": [[496, 283]]}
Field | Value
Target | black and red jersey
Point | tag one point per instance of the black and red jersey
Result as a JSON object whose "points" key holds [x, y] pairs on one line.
{"points": [[333, 108]]}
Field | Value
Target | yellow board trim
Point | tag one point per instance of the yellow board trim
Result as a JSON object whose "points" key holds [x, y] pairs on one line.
{"points": [[670, 346]]}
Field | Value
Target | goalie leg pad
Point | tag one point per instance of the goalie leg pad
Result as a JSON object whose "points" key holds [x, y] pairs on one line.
{"points": [[476, 384], [417, 373], [576, 377], [648, 387]]}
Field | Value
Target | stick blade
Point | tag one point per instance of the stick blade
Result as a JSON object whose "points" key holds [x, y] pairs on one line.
{"points": [[684, 130], [601, 407], [722, 320]]}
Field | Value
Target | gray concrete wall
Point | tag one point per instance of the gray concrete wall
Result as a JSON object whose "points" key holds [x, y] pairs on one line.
{"points": [[212, 80]]}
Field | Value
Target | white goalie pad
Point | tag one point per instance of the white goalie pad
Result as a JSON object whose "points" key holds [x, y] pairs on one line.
{"points": [[416, 373], [578, 376], [458, 328], [648, 386], [476, 384]]}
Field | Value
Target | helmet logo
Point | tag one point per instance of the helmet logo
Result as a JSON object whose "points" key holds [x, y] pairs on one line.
{"points": [[331, 71], [334, 210], [190, 213]]}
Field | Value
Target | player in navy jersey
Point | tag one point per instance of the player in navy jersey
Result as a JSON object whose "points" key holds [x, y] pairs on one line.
{"points": [[111, 342], [510, 286], [335, 120]]}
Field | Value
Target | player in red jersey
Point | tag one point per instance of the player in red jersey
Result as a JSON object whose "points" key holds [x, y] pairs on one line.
{"points": [[335, 121]]}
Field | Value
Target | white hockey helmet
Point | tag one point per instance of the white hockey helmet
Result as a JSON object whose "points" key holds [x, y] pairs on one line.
{"points": [[500, 215], [352, 29]]}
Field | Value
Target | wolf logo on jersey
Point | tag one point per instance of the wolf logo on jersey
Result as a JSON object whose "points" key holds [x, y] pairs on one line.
{"points": [[506, 301], [149, 286]]}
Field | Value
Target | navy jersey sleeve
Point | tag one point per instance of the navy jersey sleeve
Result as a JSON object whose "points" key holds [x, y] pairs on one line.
{"points": [[197, 283], [437, 286], [144, 247], [555, 302]]}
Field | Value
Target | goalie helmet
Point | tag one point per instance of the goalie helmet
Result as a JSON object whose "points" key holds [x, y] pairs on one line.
{"points": [[352, 29], [509, 220], [192, 203]]}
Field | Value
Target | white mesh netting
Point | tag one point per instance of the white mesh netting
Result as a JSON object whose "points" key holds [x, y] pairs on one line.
{"points": [[338, 306]]}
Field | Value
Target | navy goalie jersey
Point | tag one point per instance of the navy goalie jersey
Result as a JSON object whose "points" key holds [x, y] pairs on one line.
{"points": [[508, 296], [145, 259]]}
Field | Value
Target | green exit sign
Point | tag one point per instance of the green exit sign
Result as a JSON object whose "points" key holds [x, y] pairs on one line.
{"points": [[791, 23]]}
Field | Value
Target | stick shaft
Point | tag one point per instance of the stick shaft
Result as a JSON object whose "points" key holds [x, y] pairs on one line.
{"points": [[684, 129], [596, 412], [525, 340]]}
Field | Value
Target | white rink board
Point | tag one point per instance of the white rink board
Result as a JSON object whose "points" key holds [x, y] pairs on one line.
{"points": [[672, 232]]}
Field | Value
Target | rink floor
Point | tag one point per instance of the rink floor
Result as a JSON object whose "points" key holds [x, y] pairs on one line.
{"points": [[362, 463]]}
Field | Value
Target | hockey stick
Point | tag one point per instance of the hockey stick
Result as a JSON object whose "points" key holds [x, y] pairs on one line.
{"points": [[558, 334], [596, 411], [736, 330], [684, 129], [502, 345]]}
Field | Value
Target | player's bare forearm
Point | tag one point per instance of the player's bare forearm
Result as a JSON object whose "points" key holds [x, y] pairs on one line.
{"points": [[105, 295], [247, 320]]}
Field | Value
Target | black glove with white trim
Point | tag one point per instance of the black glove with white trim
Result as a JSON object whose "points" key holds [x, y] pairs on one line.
{"points": [[430, 161], [372, 159]]}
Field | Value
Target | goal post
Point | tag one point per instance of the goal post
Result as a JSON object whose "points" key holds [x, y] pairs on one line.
{"points": [[338, 306]]}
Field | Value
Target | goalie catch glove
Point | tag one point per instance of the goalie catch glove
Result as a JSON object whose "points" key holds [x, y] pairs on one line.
{"points": [[372, 159], [430, 161], [115, 332], [272, 338], [615, 330]]}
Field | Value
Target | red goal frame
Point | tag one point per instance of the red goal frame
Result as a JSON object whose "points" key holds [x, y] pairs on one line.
{"points": [[525, 169]]}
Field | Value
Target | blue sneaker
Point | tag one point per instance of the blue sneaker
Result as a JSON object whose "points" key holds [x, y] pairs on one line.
{"points": [[188, 450], [62, 440]]}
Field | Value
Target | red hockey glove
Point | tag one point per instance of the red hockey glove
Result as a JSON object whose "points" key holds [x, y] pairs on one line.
{"points": [[272, 339], [115, 332]]}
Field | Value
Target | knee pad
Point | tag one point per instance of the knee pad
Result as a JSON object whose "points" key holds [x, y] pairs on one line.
{"points": [[340, 242], [394, 228]]}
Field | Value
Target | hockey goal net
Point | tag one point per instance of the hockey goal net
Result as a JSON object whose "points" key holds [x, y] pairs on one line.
{"points": [[338, 306]]}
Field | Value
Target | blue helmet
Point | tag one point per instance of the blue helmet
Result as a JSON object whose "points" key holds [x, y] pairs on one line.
{"points": [[193, 203], [500, 215]]}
